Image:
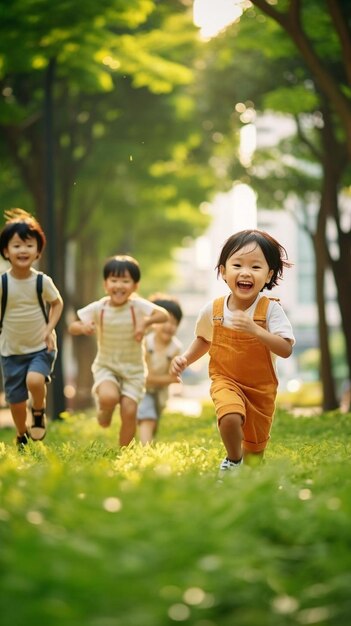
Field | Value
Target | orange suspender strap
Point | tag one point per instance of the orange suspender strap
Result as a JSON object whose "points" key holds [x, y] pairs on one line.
{"points": [[102, 312], [217, 309], [132, 311], [260, 314]]}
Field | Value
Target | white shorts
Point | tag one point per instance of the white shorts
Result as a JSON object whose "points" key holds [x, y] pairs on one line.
{"points": [[132, 387]]}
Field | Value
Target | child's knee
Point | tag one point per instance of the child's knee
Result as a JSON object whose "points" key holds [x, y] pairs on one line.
{"points": [[107, 399], [105, 418], [129, 408], [35, 381], [107, 402], [231, 421]]}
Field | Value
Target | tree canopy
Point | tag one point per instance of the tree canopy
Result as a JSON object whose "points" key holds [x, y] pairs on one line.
{"points": [[271, 60], [126, 141]]}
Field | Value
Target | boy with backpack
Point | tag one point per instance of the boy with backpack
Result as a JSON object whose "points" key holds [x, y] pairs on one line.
{"points": [[28, 340]]}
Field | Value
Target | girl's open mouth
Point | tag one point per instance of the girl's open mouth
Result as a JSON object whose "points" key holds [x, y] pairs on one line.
{"points": [[244, 284]]}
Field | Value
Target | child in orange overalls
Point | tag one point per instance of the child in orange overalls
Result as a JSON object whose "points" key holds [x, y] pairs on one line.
{"points": [[243, 333]]}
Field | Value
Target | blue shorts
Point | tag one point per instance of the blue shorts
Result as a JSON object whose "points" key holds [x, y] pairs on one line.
{"points": [[16, 367], [149, 407]]}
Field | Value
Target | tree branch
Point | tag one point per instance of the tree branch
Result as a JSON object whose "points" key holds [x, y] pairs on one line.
{"points": [[291, 23], [269, 10], [341, 27], [316, 153]]}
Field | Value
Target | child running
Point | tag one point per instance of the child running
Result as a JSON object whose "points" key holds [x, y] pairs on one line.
{"points": [[119, 320], [161, 347], [243, 333], [28, 340]]}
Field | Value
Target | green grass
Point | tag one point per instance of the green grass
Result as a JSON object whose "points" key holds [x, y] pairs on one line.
{"points": [[149, 537]]}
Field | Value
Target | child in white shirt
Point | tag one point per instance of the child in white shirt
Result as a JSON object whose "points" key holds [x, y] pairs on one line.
{"points": [[28, 340], [119, 321], [161, 347]]}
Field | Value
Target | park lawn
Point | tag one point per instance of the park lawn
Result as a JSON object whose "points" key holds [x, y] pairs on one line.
{"points": [[91, 536]]}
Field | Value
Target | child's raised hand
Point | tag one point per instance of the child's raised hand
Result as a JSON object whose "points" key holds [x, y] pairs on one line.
{"points": [[50, 340], [88, 328], [242, 321], [178, 364], [139, 330]]}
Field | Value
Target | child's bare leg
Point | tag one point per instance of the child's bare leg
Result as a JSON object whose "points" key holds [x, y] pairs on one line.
{"points": [[36, 386], [232, 435], [108, 397], [128, 420], [147, 430], [19, 416], [35, 382]]}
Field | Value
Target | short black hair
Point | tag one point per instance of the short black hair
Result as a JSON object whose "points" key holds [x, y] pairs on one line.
{"points": [[19, 222], [275, 254], [120, 264], [169, 303]]}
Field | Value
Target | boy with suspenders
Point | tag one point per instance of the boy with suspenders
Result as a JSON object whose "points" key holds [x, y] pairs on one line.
{"points": [[119, 322]]}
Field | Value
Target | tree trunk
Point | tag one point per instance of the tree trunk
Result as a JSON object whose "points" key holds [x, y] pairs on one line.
{"points": [[342, 279], [84, 348], [334, 164], [326, 369]]}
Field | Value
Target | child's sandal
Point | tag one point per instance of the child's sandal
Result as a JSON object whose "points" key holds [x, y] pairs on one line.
{"points": [[38, 428], [21, 441]]}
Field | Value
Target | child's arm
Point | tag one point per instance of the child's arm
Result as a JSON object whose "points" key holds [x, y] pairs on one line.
{"points": [[157, 316], [275, 343], [160, 380], [195, 351], [55, 312], [81, 328]]}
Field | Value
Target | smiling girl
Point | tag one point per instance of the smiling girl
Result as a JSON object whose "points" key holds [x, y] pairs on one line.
{"points": [[243, 333]]}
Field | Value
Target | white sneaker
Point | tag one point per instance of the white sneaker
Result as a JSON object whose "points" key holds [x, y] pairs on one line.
{"points": [[229, 466]]}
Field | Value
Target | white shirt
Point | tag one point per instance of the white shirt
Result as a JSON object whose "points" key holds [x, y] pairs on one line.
{"points": [[277, 322], [158, 361], [118, 350], [24, 324]]}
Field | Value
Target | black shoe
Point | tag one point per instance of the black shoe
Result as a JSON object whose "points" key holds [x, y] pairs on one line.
{"points": [[21, 441], [38, 428]]}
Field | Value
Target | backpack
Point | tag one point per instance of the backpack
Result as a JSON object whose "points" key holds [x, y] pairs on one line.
{"points": [[4, 283]]}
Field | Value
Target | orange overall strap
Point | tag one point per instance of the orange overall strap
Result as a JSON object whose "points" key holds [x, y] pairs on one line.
{"points": [[260, 314], [217, 311], [102, 312], [132, 311]]}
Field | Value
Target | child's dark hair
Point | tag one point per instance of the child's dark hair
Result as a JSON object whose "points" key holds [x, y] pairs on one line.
{"points": [[19, 222], [275, 254], [119, 265], [169, 303]]}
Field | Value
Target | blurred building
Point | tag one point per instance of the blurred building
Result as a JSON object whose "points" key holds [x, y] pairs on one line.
{"points": [[237, 210], [198, 282]]}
